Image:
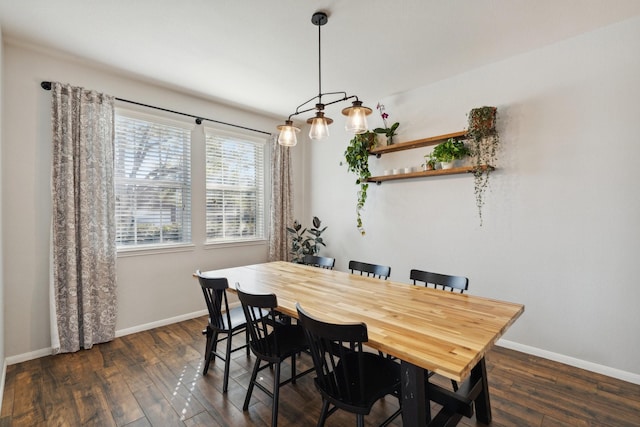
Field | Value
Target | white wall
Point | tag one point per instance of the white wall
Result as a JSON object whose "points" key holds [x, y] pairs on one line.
{"points": [[562, 230], [561, 225], [151, 288], [2, 355]]}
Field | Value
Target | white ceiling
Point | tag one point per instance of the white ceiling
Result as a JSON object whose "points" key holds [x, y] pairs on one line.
{"points": [[263, 55]]}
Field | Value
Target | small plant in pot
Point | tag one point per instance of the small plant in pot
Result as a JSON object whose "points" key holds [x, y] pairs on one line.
{"points": [[388, 131], [449, 151], [482, 123], [429, 162]]}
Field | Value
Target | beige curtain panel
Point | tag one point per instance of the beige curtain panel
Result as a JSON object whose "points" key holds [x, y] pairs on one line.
{"points": [[83, 250], [281, 212]]}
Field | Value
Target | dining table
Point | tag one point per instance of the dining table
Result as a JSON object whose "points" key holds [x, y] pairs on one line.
{"points": [[427, 330]]}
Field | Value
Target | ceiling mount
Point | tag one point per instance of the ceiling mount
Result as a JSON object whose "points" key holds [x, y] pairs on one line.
{"points": [[356, 114], [319, 18]]}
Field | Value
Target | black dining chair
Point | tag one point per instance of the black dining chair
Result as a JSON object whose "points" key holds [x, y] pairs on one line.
{"points": [[224, 324], [319, 261], [272, 342], [444, 282], [370, 270], [348, 377], [440, 281]]}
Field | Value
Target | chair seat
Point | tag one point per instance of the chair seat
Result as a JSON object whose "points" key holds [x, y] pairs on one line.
{"points": [[381, 376], [238, 320], [290, 338]]}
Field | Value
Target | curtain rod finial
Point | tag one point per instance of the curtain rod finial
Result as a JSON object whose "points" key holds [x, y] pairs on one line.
{"points": [[46, 85]]}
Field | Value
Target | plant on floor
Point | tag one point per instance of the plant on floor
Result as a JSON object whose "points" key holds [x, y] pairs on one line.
{"points": [[450, 150], [305, 241], [357, 158], [484, 145]]}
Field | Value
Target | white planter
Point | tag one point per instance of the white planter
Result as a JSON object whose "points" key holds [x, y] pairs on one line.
{"points": [[447, 165]]}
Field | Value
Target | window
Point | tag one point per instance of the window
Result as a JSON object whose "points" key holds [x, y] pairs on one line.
{"points": [[235, 187], [152, 180]]}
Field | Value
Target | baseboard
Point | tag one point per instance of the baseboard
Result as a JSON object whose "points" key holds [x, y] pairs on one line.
{"points": [[159, 323], [2, 380], [12, 360], [24, 357], [572, 361]]}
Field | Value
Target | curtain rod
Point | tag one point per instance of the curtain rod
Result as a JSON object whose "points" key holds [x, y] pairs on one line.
{"points": [[199, 119]]}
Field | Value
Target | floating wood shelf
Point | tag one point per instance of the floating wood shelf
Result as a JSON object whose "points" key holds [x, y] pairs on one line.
{"points": [[424, 142], [425, 174]]}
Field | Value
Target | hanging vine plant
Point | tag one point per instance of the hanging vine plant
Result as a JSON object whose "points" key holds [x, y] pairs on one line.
{"points": [[357, 158], [483, 147]]}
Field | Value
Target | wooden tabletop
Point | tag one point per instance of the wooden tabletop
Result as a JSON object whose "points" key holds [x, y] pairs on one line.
{"points": [[437, 330]]}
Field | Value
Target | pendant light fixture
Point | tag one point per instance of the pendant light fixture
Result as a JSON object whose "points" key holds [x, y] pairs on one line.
{"points": [[356, 114]]}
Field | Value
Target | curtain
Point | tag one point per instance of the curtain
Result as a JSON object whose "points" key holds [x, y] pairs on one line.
{"points": [[83, 251], [281, 190]]}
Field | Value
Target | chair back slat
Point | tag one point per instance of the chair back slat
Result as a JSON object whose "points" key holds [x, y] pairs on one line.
{"points": [[370, 270], [260, 313], [215, 296], [440, 281], [319, 261]]}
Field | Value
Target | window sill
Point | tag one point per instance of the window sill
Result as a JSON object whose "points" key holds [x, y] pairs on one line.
{"points": [[153, 250], [232, 243]]}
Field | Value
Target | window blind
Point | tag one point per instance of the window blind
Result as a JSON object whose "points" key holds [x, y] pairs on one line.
{"points": [[152, 179], [234, 187]]}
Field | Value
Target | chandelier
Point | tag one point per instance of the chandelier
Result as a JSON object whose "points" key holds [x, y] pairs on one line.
{"points": [[356, 114]]}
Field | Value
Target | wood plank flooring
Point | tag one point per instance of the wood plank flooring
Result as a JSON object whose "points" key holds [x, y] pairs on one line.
{"points": [[154, 378]]}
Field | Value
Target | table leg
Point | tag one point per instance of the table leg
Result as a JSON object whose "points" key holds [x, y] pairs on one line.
{"points": [[416, 410], [482, 403]]}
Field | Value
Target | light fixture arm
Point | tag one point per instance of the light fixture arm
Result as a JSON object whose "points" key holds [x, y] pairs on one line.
{"points": [[356, 114], [345, 97]]}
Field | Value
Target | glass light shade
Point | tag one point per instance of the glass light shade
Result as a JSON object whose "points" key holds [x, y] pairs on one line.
{"points": [[356, 118], [356, 121], [287, 135], [319, 126]]}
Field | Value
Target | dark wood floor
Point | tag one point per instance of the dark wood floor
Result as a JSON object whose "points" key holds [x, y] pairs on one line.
{"points": [[154, 378]]}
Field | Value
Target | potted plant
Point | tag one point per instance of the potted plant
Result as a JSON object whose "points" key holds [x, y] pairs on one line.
{"points": [[429, 162], [305, 241], [482, 122], [357, 158], [483, 148], [312, 244], [388, 131], [448, 151]]}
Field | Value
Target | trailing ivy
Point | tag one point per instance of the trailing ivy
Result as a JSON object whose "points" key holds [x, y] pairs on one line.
{"points": [[484, 146], [357, 158]]}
